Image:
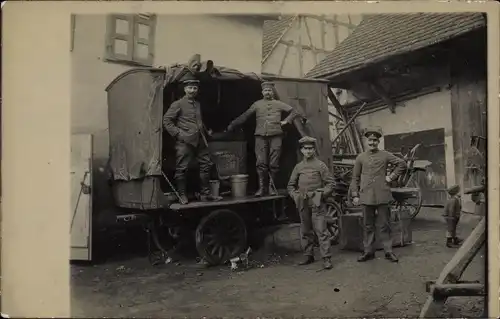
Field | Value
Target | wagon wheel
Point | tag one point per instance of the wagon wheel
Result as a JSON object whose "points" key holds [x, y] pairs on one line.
{"points": [[414, 204], [220, 236], [333, 213]]}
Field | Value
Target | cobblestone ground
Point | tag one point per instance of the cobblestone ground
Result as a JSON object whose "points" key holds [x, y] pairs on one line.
{"points": [[276, 287]]}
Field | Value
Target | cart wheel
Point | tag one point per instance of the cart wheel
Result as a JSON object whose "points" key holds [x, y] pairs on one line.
{"points": [[413, 204], [220, 236], [333, 213]]}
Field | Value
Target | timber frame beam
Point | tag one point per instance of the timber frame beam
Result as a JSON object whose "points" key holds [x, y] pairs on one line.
{"points": [[303, 46], [378, 90]]}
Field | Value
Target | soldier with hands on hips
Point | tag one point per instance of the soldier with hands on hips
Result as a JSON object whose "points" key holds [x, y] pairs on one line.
{"points": [[370, 187], [310, 184], [268, 135]]}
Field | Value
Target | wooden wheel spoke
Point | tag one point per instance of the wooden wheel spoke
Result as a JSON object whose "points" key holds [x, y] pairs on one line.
{"points": [[221, 235], [220, 252]]}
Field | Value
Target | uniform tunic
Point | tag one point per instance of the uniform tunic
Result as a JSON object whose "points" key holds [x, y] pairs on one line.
{"points": [[368, 177], [268, 116], [183, 121], [268, 131], [370, 185], [307, 178]]}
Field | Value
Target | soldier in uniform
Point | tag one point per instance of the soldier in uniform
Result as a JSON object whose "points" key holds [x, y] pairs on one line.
{"points": [[184, 123], [370, 188], [268, 134], [310, 183]]}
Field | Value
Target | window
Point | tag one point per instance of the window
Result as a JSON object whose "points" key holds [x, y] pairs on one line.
{"points": [[130, 39]]}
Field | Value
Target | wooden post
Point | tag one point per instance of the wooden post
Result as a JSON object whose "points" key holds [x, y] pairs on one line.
{"points": [[454, 269]]}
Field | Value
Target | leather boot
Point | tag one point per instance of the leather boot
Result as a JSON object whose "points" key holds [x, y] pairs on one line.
{"points": [[366, 257], [262, 183], [306, 261], [272, 185], [205, 193], [391, 257], [181, 189], [327, 263], [449, 242], [457, 241]]}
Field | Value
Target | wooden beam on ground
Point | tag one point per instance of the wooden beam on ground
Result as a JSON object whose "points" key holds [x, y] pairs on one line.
{"points": [[454, 269], [443, 291], [464, 256], [380, 92]]}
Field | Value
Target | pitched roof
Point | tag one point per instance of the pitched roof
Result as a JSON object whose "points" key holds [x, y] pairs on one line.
{"points": [[381, 36], [273, 30]]}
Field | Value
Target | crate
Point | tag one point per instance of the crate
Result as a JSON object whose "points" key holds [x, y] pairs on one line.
{"points": [[229, 156], [351, 234]]}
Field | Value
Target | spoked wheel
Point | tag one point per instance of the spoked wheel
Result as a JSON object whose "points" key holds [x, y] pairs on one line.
{"points": [[333, 213], [413, 204], [220, 236]]}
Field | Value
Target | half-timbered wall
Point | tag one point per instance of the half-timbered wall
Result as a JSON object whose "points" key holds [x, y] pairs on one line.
{"points": [[307, 41]]}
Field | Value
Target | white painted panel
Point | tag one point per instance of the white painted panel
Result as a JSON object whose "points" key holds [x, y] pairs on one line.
{"points": [[426, 112], [81, 201], [330, 37], [315, 32], [273, 62]]}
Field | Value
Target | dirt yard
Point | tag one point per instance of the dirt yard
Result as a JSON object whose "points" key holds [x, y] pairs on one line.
{"points": [[275, 287]]}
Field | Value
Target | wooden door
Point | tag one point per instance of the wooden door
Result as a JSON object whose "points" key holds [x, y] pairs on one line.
{"points": [[81, 198], [433, 181]]}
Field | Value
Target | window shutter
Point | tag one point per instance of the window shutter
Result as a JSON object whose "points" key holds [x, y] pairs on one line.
{"points": [[144, 36], [119, 39]]}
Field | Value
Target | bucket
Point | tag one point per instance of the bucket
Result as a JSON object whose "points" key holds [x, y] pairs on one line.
{"points": [[239, 185], [214, 187]]}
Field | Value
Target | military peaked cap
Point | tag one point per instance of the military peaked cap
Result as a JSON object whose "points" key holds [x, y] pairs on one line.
{"points": [[267, 84], [373, 131], [307, 140], [190, 79]]}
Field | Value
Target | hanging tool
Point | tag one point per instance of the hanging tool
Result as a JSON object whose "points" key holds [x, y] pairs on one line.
{"points": [[85, 189]]}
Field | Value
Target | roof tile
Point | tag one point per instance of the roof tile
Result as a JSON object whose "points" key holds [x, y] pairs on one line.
{"points": [[273, 29], [381, 36]]}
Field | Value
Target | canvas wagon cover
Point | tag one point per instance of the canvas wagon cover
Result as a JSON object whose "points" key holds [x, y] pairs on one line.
{"points": [[135, 110]]}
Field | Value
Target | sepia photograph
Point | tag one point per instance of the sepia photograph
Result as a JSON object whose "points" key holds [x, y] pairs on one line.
{"points": [[278, 165]]}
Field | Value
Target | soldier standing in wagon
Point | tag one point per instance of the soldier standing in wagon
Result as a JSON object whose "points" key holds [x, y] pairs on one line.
{"points": [[370, 187], [310, 183], [184, 123], [268, 135]]}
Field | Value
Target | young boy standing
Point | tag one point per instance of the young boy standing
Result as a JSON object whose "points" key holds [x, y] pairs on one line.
{"points": [[310, 183], [452, 211]]}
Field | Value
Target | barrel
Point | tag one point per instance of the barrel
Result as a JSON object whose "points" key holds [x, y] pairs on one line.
{"points": [[239, 185]]}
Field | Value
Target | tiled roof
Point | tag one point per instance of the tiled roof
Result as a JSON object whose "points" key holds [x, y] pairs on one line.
{"points": [[273, 29], [381, 36]]}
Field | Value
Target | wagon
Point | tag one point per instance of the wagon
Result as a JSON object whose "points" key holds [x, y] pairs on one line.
{"points": [[142, 155]]}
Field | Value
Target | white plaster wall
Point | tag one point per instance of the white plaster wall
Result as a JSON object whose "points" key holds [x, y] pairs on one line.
{"points": [[426, 112], [231, 42]]}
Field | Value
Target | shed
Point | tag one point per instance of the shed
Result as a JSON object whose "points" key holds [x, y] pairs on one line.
{"points": [[423, 79]]}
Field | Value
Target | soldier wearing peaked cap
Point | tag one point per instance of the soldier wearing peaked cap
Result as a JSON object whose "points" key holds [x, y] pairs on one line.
{"points": [[310, 184], [268, 135], [184, 123], [370, 187]]}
